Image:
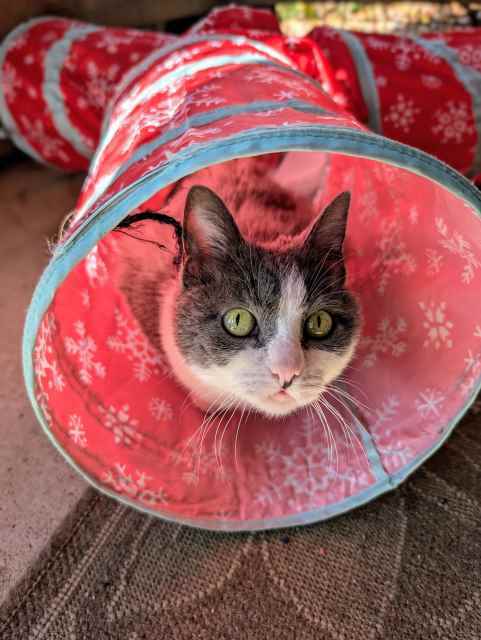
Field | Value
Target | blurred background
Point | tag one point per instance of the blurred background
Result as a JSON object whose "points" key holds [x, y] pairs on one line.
{"points": [[297, 17]]}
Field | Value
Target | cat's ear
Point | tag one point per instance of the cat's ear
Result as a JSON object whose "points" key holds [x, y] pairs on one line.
{"points": [[326, 238], [209, 229], [330, 228]]}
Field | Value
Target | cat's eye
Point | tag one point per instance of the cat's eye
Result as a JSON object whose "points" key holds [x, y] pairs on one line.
{"points": [[318, 325], [239, 322]]}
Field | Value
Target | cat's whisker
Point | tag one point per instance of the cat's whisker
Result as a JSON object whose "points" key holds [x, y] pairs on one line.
{"points": [[237, 435], [207, 428], [330, 440], [234, 409], [351, 413], [347, 428], [217, 451], [198, 431], [346, 381], [355, 401]]}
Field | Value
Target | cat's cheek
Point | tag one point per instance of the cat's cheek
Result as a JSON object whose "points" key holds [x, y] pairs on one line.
{"points": [[329, 363]]}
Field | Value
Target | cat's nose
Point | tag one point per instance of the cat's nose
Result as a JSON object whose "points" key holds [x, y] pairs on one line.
{"points": [[286, 362], [287, 383], [286, 376]]}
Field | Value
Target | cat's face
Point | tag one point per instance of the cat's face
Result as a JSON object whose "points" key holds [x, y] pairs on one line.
{"points": [[267, 331]]}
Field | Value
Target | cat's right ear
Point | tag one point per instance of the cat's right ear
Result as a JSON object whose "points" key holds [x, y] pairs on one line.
{"points": [[209, 230]]}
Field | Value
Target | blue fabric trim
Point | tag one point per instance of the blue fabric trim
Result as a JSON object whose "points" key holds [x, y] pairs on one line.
{"points": [[214, 115], [185, 70], [372, 454], [469, 78], [366, 79], [259, 141], [51, 87], [140, 67], [6, 117]]}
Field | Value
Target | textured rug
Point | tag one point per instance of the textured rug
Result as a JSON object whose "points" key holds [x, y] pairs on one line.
{"points": [[406, 566]]}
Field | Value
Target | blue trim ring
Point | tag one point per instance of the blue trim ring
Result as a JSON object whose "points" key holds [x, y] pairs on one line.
{"points": [[257, 142], [209, 117]]}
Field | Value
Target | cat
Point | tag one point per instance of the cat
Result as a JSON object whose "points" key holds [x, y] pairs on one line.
{"points": [[250, 323]]}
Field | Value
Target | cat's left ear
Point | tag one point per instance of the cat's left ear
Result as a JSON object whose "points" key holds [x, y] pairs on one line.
{"points": [[326, 239], [330, 228]]}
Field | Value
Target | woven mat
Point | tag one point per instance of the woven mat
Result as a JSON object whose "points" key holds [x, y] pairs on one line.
{"points": [[406, 566]]}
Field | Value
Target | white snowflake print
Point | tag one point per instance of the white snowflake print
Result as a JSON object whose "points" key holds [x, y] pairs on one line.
{"points": [[470, 55], [77, 431], [43, 403], [393, 257], [83, 347], [284, 94], [413, 215], [307, 473], [368, 203], [405, 53], [85, 295], [270, 451], [160, 409], [437, 325], [429, 402], [82, 103], [457, 245], [402, 113], [378, 43], [201, 462], [177, 58], [382, 427], [135, 484], [381, 81], [20, 41], [95, 268], [396, 455], [389, 339], [435, 261], [472, 361], [48, 145], [122, 425], [10, 81], [204, 96], [50, 36], [131, 341], [431, 82], [454, 123], [477, 331], [111, 41], [264, 76], [46, 367], [100, 84], [190, 138]]}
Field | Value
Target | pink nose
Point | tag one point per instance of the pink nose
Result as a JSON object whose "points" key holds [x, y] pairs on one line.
{"points": [[286, 374]]}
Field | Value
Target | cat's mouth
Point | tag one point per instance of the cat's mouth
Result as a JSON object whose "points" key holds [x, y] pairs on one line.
{"points": [[282, 396]]}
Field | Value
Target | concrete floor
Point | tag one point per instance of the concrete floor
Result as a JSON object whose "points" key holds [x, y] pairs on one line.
{"points": [[37, 488]]}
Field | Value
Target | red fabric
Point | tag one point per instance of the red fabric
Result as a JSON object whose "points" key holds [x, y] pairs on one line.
{"points": [[147, 102], [423, 101]]}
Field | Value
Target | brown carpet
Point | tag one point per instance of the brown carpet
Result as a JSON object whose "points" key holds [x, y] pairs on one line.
{"points": [[407, 566]]}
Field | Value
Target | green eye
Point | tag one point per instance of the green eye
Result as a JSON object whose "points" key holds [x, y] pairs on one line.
{"points": [[239, 322], [318, 325]]}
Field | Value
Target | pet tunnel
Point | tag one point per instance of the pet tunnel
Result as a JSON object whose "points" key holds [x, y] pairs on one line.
{"points": [[201, 106]]}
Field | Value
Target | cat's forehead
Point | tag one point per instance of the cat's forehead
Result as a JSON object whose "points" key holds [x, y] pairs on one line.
{"points": [[268, 278]]}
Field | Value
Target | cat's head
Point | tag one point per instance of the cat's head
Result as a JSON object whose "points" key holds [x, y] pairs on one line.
{"points": [[266, 330]]}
